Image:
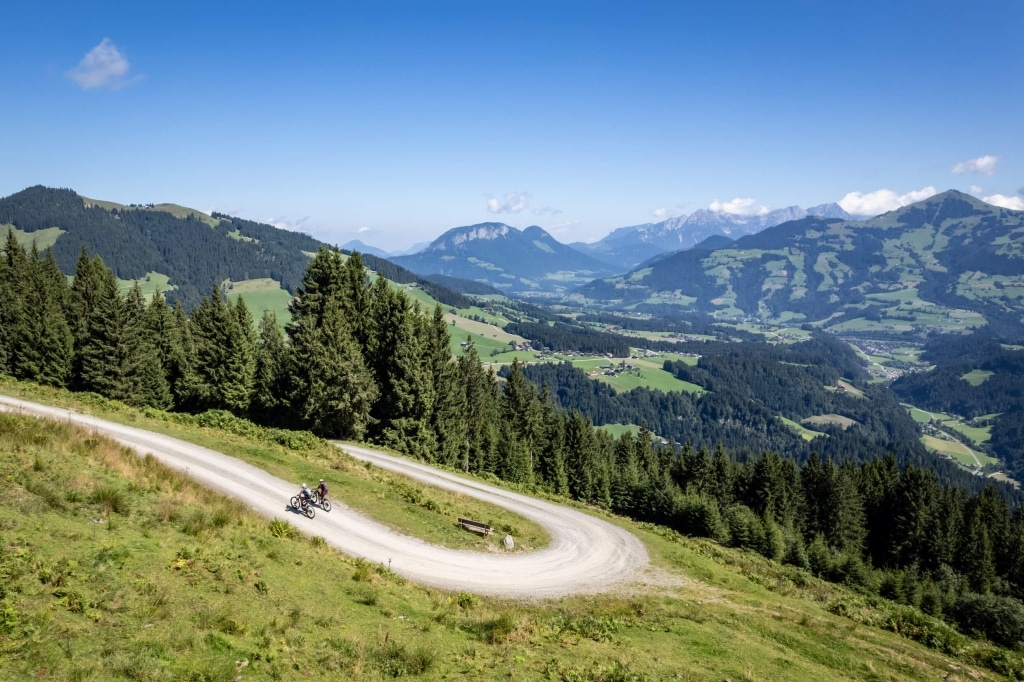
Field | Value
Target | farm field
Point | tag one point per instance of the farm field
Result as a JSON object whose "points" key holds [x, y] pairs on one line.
{"points": [[43, 239], [805, 433], [261, 295], [957, 451], [149, 285], [842, 421]]}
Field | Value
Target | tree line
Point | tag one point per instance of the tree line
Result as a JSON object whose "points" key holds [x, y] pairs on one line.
{"points": [[360, 361]]}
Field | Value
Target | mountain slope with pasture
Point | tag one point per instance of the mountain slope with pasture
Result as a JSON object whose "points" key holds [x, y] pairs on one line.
{"points": [[949, 262]]}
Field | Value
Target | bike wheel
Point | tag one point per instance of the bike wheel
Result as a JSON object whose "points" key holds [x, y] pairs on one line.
{"points": [[315, 499], [325, 505], [309, 511], [294, 502]]}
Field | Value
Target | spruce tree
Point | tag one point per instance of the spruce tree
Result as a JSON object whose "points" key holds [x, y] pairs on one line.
{"points": [[41, 341], [223, 369], [402, 411], [164, 334], [480, 390], [341, 389], [448, 413], [269, 393]]}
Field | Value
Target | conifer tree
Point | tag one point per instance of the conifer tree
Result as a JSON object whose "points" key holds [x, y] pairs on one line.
{"points": [[86, 289], [41, 344], [269, 393], [480, 389], [581, 458], [551, 451], [521, 410], [223, 366], [448, 413], [356, 300], [406, 397], [341, 389], [164, 333]]}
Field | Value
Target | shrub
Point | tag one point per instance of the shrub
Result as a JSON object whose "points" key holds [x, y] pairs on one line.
{"points": [[282, 529], [396, 660], [1000, 619], [111, 499]]}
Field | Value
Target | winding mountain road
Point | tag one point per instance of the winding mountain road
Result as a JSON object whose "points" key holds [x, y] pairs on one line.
{"points": [[586, 554]]}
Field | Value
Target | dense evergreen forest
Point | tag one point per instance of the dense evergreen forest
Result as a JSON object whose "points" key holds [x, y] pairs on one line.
{"points": [[561, 337], [360, 361], [999, 393]]}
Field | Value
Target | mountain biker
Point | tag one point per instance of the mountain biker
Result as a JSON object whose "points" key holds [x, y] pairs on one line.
{"points": [[322, 490], [305, 495]]}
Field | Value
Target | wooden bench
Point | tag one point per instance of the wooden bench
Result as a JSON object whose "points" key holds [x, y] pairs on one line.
{"points": [[476, 526]]}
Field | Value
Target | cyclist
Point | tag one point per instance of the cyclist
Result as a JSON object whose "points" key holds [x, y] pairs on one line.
{"points": [[305, 495], [321, 490]]}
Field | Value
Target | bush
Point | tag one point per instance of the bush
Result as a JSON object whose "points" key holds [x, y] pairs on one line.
{"points": [[111, 499], [745, 529], [699, 516], [1000, 619]]}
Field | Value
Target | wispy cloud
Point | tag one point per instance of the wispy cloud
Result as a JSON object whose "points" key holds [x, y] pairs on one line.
{"points": [[286, 223], [103, 67], [546, 210], [738, 206], [662, 213], [515, 202], [363, 230], [985, 165], [562, 228], [881, 201], [1001, 200], [976, 190]]}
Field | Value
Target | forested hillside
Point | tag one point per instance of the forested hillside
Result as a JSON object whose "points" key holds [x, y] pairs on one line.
{"points": [[359, 361], [194, 252], [974, 379]]}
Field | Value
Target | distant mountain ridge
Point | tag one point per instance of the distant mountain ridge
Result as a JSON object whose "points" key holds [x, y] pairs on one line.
{"points": [[194, 250], [627, 247], [528, 261], [950, 261]]}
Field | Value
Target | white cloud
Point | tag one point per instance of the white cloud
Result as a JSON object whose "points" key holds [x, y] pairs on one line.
{"points": [[662, 213], [515, 202], [546, 210], [975, 190], [285, 223], [363, 230], [986, 165], [103, 67], [738, 206], [881, 201], [1015, 203]]}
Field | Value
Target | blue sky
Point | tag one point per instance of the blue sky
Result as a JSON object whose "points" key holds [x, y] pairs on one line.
{"points": [[394, 121]]}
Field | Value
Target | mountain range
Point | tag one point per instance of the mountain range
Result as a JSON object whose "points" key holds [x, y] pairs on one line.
{"points": [[950, 261], [529, 262], [627, 247]]}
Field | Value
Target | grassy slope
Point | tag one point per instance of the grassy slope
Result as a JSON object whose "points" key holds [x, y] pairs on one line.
{"points": [[117, 568], [387, 498], [43, 239]]}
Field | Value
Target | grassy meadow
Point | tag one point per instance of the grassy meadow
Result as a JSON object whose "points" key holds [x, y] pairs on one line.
{"points": [[116, 567]]}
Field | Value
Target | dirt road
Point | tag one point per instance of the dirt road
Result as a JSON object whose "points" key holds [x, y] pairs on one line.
{"points": [[586, 554]]}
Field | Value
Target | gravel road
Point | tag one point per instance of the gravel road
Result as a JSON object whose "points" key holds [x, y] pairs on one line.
{"points": [[586, 554]]}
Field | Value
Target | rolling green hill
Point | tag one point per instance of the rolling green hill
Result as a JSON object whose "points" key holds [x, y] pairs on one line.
{"points": [[950, 262]]}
